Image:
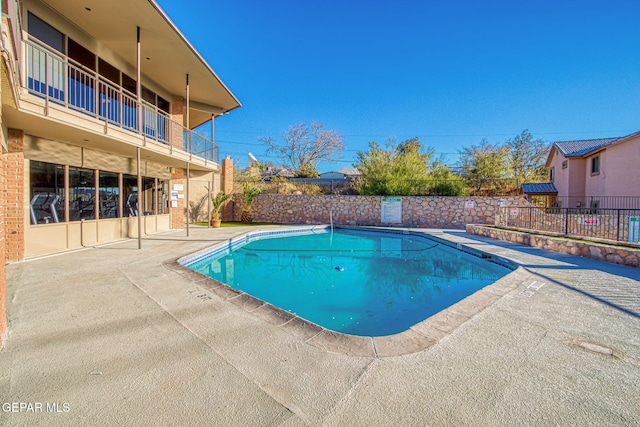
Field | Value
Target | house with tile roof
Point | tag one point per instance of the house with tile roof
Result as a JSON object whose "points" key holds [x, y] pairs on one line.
{"points": [[585, 170]]}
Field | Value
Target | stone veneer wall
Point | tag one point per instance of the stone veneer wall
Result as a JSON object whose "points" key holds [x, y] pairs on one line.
{"points": [[614, 254], [426, 212]]}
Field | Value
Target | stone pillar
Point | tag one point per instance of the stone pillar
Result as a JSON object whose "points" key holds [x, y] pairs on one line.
{"points": [[177, 116], [178, 176], [227, 187], [14, 197]]}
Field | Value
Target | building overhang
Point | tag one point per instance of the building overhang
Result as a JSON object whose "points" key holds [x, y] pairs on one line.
{"points": [[75, 128], [166, 55]]}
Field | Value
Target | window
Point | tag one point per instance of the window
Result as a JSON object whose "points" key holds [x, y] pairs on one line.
{"points": [[595, 165], [552, 174], [564, 164], [130, 193], [129, 84], [108, 71], [117, 195], [45, 33], [81, 55], [109, 195], [162, 192], [47, 193], [148, 192], [82, 194]]}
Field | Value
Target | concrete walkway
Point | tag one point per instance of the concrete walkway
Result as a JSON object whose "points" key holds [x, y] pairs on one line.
{"points": [[110, 336]]}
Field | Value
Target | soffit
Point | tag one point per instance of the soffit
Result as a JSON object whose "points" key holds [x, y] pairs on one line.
{"points": [[171, 57]]}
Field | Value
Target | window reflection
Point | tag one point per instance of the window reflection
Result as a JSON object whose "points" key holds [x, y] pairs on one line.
{"points": [[130, 192], [82, 193], [47, 193], [109, 195]]}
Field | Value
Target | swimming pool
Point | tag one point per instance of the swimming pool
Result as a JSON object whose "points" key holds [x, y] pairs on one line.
{"points": [[366, 283]]}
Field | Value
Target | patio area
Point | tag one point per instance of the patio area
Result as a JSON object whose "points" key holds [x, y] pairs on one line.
{"points": [[112, 336]]}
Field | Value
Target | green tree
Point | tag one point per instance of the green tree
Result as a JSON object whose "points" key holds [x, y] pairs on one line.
{"points": [[485, 164], [444, 182], [394, 171], [527, 158], [303, 147]]}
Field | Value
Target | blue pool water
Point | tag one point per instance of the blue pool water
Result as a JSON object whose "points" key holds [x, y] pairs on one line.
{"points": [[354, 282]]}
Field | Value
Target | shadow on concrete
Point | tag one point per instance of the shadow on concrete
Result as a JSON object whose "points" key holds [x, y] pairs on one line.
{"points": [[614, 285]]}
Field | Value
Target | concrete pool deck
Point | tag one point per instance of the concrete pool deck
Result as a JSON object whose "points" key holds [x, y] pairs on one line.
{"points": [[111, 336]]}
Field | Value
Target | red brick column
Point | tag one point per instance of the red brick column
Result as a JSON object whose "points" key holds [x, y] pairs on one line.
{"points": [[177, 115], [3, 274], [14, 198], [227, 187], [178, 214]]}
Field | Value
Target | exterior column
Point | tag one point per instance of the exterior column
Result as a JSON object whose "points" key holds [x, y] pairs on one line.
{"points": [[178, 213], [189, 147], [227, 187], [3, 274], [15, 197], [177, 119], [138, 82]]}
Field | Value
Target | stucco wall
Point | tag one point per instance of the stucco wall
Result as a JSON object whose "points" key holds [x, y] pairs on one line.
{"points": [[618, 166], [428, 212]]}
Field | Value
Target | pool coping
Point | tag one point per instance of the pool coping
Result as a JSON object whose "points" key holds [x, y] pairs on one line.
{"points": [[418, 337]]}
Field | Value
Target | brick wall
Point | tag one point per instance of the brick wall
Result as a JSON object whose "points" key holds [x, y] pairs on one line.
{"points": [[3, 275], [427, 212], [14, 196], [177, 115], [178, 214]]}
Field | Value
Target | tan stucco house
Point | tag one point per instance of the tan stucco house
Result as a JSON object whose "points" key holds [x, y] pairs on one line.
{"points": [[99, 104]]}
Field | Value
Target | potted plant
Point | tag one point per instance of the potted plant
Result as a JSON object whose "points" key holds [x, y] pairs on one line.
{"points": [[218, 202], [250, 192]]}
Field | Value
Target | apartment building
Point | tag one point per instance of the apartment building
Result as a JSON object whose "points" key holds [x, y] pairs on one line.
{"points": [[99, 105]]}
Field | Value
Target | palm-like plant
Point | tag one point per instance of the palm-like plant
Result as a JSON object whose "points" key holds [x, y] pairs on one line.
{"points": [[250, 192], [218, 202]]}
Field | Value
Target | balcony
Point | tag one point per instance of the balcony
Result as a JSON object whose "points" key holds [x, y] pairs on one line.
{"points": [[59, 80]]}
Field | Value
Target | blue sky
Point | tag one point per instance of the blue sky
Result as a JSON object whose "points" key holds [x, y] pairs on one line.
{"points": [[450, 72]]}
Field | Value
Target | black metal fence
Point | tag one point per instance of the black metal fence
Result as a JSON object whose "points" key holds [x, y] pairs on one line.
{"points": [[619, 225], [597, 202]]}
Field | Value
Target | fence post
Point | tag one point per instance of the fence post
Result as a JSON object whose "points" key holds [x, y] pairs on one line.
{"points": [[618, 227], [566, 221]]}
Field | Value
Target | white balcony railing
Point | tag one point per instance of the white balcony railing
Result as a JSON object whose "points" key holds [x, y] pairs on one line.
{"points": [[55, 78]]}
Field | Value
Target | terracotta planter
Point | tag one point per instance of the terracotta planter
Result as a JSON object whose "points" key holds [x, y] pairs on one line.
{"points": [[215, 223]]}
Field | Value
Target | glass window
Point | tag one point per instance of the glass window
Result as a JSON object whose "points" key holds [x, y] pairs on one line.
{"points": [[45, 33], [81, 55], [148, 95], [129, 84], [564, 164], [108, 71], [552, 174], [109, 195], [130, 193], [47, 193], [164, 105], [162, 194], [82, 193], [148, 193], [595, 165]]}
